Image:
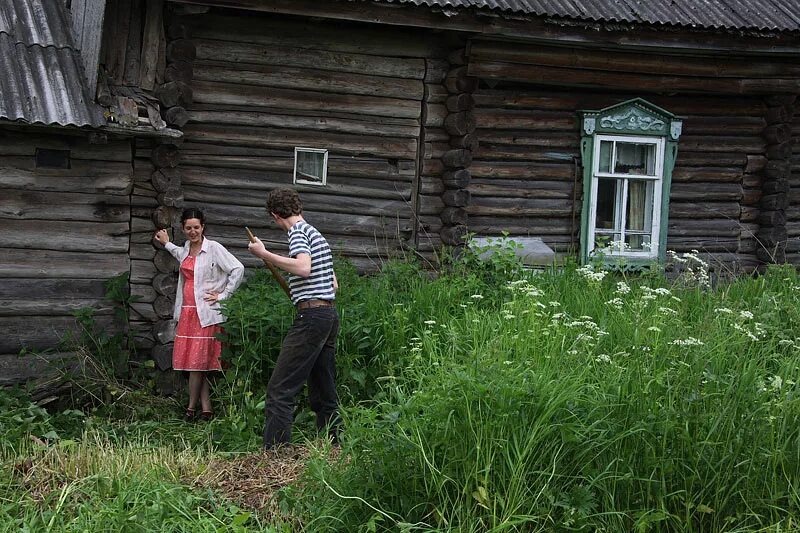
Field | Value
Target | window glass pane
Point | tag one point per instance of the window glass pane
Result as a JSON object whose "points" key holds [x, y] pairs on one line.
{"points": [[310, 166], [605, 156], [639, 215], [606, 203], [635, 158]]}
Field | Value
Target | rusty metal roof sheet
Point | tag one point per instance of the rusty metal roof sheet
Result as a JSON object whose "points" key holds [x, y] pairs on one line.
{"points": [[774, 15], [42, 81]]}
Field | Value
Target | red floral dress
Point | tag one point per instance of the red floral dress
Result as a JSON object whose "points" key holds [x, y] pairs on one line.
{"points": [[196, 348]]}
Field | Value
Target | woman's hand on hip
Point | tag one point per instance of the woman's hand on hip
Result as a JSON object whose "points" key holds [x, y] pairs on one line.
{"points": [[211, 297]]}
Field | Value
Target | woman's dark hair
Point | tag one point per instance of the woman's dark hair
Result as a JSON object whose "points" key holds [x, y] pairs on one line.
{"points": [[192, 212]]}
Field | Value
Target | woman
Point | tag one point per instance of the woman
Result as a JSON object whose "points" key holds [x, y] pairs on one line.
{"points": [[208, 274]]}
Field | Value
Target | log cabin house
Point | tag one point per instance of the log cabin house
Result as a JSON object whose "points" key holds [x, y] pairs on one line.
{"points": [[404, 124]]}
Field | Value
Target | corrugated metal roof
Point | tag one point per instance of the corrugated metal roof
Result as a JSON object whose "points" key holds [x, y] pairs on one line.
{"points": [[780, 15], [42, 81]]}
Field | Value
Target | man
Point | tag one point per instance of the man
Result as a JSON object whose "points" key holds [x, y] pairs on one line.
{"points": [[308, 350]]}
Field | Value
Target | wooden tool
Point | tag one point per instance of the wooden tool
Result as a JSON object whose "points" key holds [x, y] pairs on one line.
{"points": [[275, 273]]}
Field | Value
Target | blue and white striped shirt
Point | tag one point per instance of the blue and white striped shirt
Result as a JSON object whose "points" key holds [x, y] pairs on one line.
{"points": [[305, 239]]}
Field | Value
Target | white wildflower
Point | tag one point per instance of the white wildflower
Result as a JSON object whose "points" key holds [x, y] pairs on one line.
{"points": [[622, 288], [654, 329], [746, 315], [689, 341]]}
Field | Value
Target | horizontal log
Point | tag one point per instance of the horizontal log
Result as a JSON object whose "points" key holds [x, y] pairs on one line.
{"points": [[526, 120], [335, 142], [326, 222], [111, 237], [484, 206], [48, 333], [275, 54], [522, 170], [431, 186], [392, 207], [172, 197], [142, 272], [52, 289], [310, 79], [624, 81], [282, 165], [40, 205], [684, 174], [706, 191], [703, 228], [547, 99], [435, 115], [707, 143], [220, 93], [165, 178], [309, 34], [142, 311], [711, 159], [708, 245], [509, 153], [143, 293], [751, 197], [18, 143], [756, 163], [521, 189], [361, 125], [31, 306], [528, 138], [22, 263], [254, 186], [629, 62], [102, 178], [704, 210]]}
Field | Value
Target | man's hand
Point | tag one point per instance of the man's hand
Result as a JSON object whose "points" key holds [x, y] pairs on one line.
{"points": [[256, 248]]}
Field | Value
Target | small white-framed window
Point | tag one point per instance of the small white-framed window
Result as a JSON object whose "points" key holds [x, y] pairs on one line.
{"points": [[625, 203], [310, 166]]}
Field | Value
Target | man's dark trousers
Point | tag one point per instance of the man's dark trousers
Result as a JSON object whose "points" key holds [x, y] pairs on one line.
{"points": [[308, 354]]}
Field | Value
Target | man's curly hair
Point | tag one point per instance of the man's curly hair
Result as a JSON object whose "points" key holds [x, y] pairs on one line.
{"points": [[284, 202]]}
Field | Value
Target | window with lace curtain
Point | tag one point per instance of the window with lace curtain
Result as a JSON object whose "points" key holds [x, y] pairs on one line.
{"points": [[310, 166], [628, 154]]}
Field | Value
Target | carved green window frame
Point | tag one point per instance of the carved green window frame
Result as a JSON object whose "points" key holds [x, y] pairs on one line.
{"points": [[628, 152]]}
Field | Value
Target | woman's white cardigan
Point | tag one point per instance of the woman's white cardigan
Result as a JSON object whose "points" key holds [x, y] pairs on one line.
{"points": [[215, 270]]}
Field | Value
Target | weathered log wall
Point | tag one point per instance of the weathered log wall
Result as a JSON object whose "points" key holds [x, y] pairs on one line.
{"points": [[263, 85], [526, 172], [63, 233], [793, 209]]}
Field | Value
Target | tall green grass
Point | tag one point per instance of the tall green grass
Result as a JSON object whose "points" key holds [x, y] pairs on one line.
{"points": [[565, 402]]}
